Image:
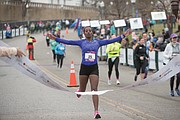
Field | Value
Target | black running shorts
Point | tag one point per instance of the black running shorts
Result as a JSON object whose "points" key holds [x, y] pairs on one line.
{"points": [[89, 70]]}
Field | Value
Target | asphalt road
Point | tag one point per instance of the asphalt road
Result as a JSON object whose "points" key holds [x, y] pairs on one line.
{"points": [[22, 98]]}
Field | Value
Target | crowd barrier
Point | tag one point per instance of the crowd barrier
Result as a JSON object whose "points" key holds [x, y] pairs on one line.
{"points": [[126, 54], [14, 33], [127, 58]]}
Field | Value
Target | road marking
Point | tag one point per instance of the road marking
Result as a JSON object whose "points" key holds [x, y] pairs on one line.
{"points": [[128, 109], [62, 81]]}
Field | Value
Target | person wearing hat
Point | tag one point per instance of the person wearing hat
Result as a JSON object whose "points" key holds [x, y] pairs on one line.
{"points": [[172, 49], [31, 42], [113, 51]]}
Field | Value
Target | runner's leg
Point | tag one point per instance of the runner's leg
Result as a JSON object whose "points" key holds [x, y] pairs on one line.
{"points": [[94, 81]]}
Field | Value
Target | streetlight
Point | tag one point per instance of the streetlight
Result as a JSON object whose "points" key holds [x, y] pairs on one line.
{"points": [[127, 3], [101, 7], [133, 3], [111, 3], [152, 2], [27, 8]]}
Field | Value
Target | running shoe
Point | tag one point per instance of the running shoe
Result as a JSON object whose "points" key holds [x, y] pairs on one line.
{"points": [[97, 115], [177, 91], [135, 78], [172, 93], [117, 82], [78, 95], [109, 82]]}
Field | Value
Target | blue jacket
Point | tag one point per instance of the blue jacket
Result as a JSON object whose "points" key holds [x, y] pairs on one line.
{"points": [[60, 49]]}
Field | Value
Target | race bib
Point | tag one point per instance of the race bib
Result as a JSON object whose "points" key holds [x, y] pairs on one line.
{"points": [[90, 56], [61, 48]]}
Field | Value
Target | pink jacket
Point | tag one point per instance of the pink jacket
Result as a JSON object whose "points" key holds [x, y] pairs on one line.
{"points": [[5, 51]]}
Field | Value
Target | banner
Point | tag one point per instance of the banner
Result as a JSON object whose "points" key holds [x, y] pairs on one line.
{"points": [[123, 56], [160, 60], [136, 23], [30, 69], [21, 31], [104, 50], [164, 74], [119, 23], [1, 35], [13, 32], [104, 22], [95, 23], [93, 92], [85, 23], [152, 64], [4, 34], [130, 57], [17, 32], [158, 15], [25, 31]]}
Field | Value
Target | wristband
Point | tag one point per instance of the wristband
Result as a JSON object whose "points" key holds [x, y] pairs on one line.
{"points": [[123, 36]]}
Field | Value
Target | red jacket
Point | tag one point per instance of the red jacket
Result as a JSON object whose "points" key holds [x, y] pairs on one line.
{"points": [[30, 42]]}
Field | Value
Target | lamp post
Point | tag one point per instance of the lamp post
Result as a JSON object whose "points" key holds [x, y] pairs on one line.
{"points": [[111, 3], [27, 8], [101, 8], [133, 3]]}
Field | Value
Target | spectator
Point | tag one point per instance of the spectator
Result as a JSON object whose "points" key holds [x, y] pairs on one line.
{"points": [[172, 49]]}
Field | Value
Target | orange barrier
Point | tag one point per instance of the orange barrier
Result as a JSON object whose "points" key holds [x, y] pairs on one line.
{"points": [[31, 56], [72, 77], [67, 31]]}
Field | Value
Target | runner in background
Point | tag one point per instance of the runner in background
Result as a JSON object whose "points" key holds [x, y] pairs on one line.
{"points": [[31, 42], [60, 51], [53, 46], [141, 59], [113, 51]]}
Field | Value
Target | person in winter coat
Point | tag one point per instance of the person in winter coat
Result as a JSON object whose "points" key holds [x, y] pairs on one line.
{"points": [[60, 52], [172, 49]]}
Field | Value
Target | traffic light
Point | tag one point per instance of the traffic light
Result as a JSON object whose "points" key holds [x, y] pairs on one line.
{"points": [[175, 7]]}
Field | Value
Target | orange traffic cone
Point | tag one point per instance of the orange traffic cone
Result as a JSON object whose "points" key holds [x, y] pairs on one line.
{"points": [[27, 47], [30, 56], [72, 77], [67, 30]]}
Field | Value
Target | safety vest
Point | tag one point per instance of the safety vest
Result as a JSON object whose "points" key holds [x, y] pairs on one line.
{"points": [[30, 40]]}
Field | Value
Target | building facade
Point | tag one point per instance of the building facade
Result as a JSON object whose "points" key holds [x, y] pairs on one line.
{"points": [[61, 2]]}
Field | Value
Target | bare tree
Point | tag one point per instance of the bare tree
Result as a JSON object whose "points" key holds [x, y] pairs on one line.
{"points": [[116, 8], [165, 5]]}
